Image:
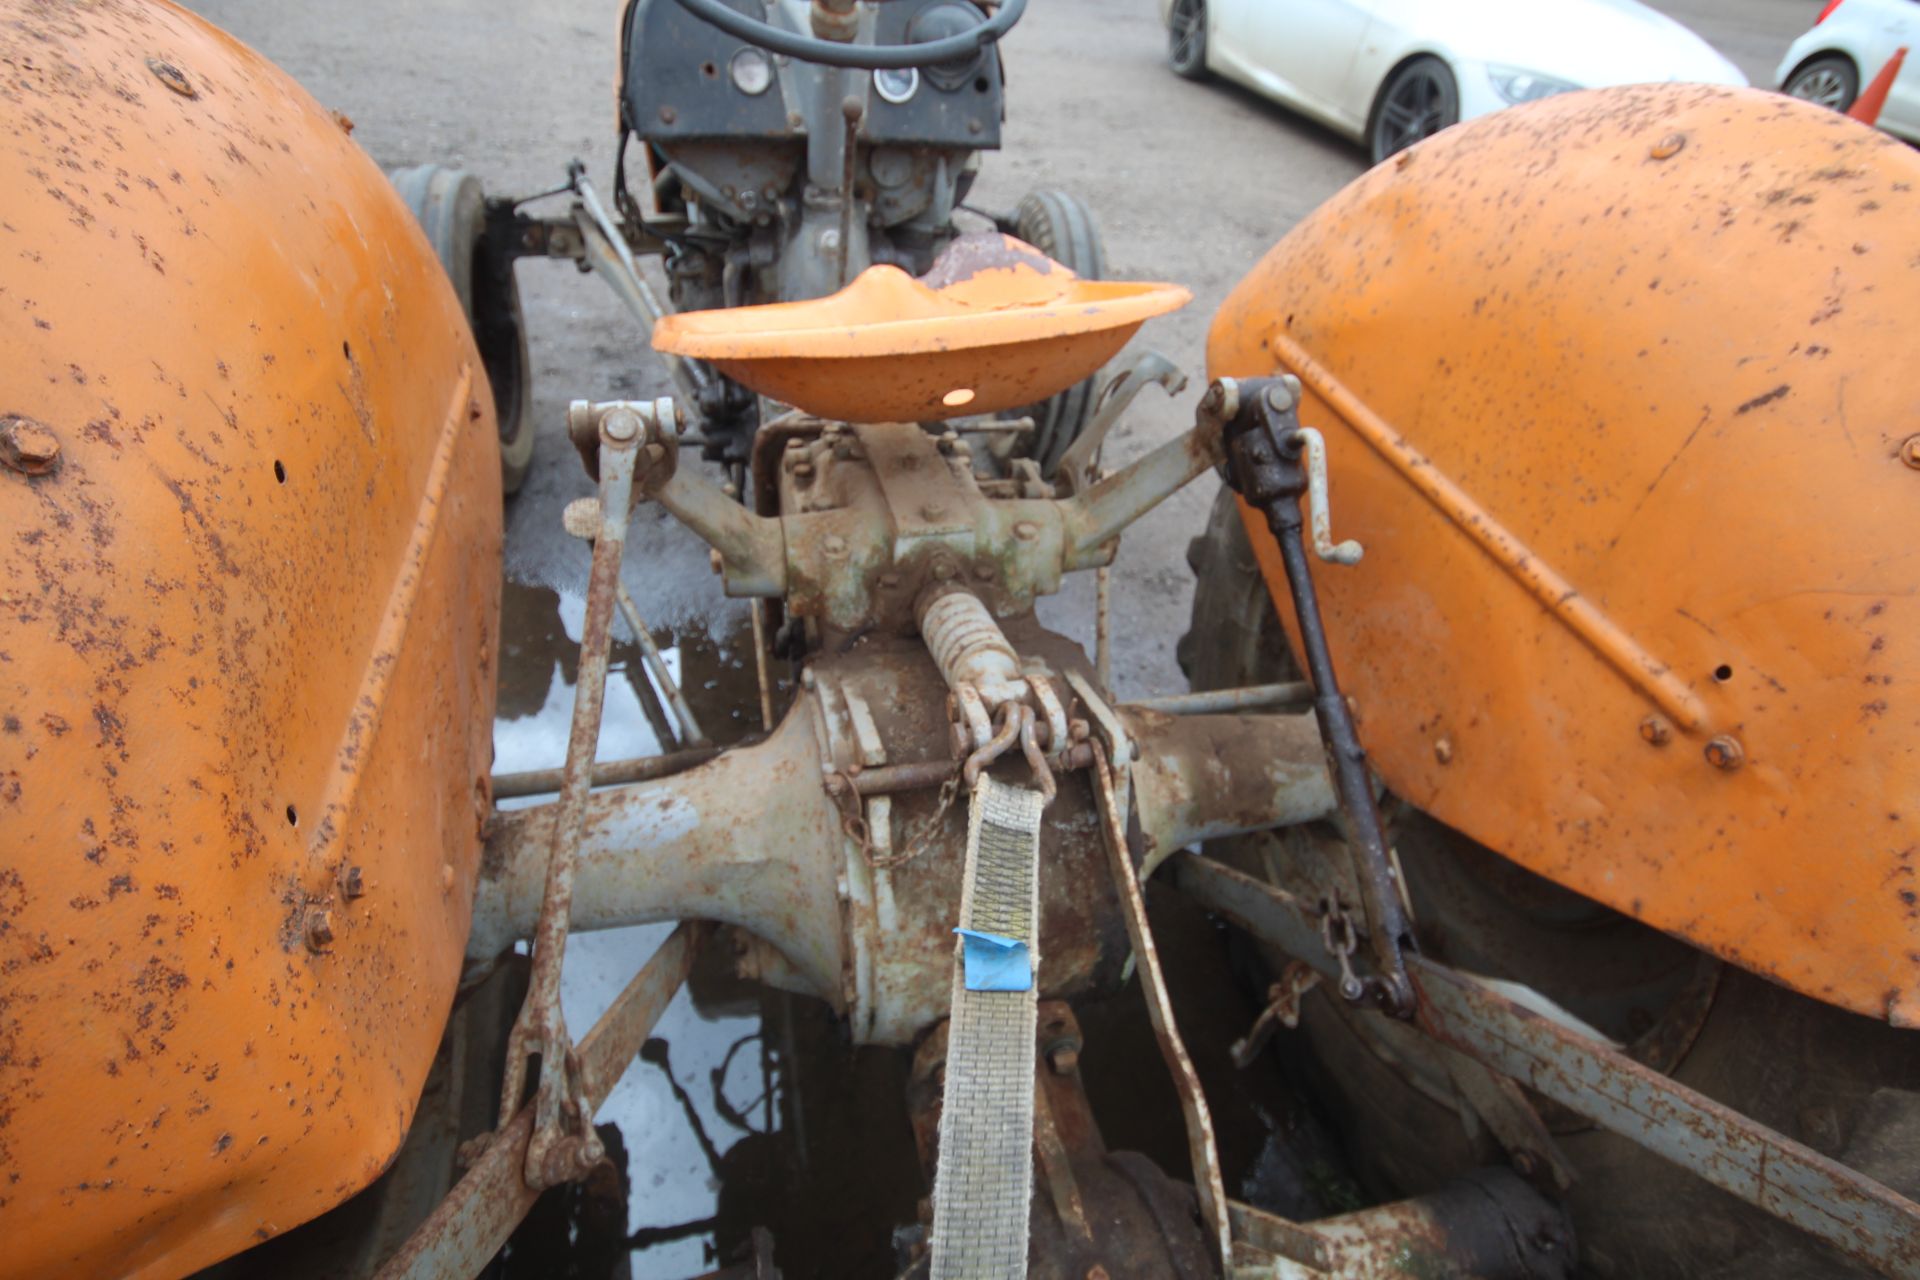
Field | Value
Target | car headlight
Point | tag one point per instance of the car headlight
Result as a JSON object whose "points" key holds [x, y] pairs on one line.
{"points": [[1516, 85]]}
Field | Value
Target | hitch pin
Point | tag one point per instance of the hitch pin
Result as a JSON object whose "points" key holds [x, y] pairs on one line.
{"points": [[1319, 518]]}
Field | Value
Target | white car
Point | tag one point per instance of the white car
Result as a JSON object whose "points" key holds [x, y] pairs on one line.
{"points": [[1850, 42], [1391, 72]]}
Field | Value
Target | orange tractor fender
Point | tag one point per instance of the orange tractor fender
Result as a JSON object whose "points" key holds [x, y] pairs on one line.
{"points": [[1637, 607], [250, 512]]}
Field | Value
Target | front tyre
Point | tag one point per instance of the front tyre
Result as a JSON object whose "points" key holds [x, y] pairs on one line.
{"points": [[451, 207], [1062, 227]]}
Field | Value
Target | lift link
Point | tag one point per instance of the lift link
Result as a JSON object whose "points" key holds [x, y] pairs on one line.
{"points": [[1268, 466], [562, 1145]]}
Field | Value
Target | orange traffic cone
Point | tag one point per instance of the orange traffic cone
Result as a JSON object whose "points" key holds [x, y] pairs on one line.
{"points": [[1866, 108]]}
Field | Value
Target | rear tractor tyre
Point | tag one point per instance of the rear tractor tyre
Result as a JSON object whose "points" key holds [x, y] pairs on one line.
{"points": [[1844, 1085], [1062, 227], [451, 207]]}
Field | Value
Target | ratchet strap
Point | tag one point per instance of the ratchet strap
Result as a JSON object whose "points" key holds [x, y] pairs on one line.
{"points": [[983, 1178]]}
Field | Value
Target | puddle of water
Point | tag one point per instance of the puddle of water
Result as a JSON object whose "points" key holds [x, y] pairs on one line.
{"points": [[749, 1108]]}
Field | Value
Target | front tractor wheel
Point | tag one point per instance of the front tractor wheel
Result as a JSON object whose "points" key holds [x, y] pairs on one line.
{"points": [[1062, 227], [451, 207], [1847, 1086]]}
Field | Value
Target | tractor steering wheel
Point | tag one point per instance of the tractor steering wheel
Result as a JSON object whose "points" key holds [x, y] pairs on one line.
{"points": [[860, 57]]}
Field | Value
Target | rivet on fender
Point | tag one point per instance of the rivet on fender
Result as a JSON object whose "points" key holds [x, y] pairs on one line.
{"points": [[27, 445], [172, 77], [1725, 752], [1669, 146], [320, 930]]}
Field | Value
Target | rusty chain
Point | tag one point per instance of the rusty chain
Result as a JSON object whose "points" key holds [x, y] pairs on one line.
{"points": [[853, 823], [1342, 940], [1017, 724]]}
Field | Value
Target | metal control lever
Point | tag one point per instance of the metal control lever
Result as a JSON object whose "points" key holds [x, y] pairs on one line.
{"points": [[1270, 464]]}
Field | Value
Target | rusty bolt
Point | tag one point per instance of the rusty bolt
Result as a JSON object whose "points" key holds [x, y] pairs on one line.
{"points": [[1656, 730], [668, 115], [1026, 530], [622, 426], [715, 560], [1725, 752], [943, 570], [1222, 399], [833, 545], [1064, 1058], [1079, 730], [1669, 146], [353, 883], [1097, 1272], [28, 446], [889, 581], [984, 572], [1443, 750], [795, 443], [172, 77], [803, 470], [1910, 451], [319, 930], [933, 511]]}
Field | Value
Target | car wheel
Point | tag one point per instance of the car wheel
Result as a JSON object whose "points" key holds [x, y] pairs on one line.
{"points": [[1418, 100], [451, 207], [1062, 227], [1831, 81], [1187, 39]]}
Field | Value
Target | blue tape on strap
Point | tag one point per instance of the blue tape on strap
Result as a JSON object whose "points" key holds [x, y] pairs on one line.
{"points": [[995, 963]]}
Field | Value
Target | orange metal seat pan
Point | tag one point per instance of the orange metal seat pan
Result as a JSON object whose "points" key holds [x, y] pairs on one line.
{"points": [[995, 325]]}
